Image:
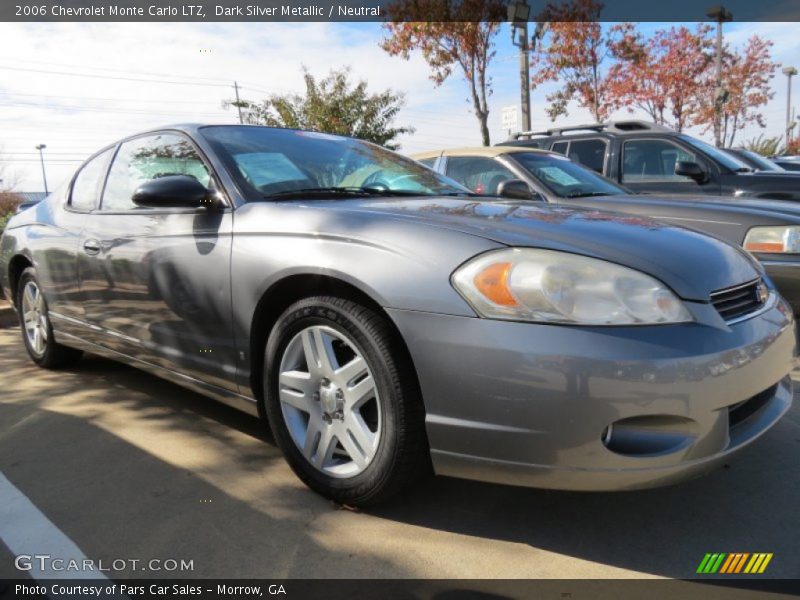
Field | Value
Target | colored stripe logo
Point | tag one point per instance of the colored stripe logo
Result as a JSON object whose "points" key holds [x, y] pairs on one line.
{"points": [[734, 563]]}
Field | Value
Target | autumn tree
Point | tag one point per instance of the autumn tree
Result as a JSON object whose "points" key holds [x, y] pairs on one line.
{"points": [[450, 34], [746, 76], [577, 51], [664, 75], [335, 105]]}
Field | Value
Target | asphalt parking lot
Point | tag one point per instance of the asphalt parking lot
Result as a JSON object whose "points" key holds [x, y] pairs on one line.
{"points": [[129, 466]]}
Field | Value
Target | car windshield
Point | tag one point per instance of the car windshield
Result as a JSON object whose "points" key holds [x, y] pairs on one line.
{"points": [[565, 178], [726, 160], [757, 161], [275, 163]]}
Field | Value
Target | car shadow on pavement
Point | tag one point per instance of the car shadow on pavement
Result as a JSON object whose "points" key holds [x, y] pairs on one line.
{"points": [[129, 465], [749, 505]]}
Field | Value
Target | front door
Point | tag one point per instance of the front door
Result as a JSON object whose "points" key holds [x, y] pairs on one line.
{"points": [[156, 282], [648, 166]]}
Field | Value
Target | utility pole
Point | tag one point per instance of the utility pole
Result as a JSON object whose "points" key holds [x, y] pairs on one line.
{"points": [[518, 14], [238, 102], [41, 147], [789, 72], [721, 15]]}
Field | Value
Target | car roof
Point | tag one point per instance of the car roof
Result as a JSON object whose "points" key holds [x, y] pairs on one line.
{"points": [[488, 151]]}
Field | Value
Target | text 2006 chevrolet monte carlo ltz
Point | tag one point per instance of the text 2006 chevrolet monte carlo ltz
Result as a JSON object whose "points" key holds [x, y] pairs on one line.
{"points": [[387, 323]]}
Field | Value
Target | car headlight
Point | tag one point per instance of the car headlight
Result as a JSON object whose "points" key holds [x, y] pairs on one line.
{"points": [[526, 284], [777, 240]]}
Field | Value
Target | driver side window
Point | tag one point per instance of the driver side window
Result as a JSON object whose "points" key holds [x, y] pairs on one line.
{"points": [[146, 158], [645, 161]]}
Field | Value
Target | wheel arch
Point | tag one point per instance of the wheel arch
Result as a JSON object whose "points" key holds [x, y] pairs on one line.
{"points": [[285, 292], [16, 266]]}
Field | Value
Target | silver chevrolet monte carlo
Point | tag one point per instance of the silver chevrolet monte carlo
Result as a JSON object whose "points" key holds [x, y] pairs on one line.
{"points": [[386, 322]]}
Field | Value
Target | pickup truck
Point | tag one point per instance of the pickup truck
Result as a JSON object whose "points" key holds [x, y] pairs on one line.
{"points": [[649, 158]]}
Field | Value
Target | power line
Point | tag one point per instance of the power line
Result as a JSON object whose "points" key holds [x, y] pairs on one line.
{"points": [[111, 77], [96, 98], [127, 71], [112, 110], [49, 160], [404, 111]]}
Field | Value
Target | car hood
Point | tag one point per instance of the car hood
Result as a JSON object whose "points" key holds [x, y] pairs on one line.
{"points": [[691, 263], [782, 207], [773, 175]]}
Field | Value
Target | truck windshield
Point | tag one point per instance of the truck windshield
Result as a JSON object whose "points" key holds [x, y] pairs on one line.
{"points": [[757, 161], [726, 160]]}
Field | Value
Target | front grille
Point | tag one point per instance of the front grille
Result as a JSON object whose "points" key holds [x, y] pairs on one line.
{"points": [[735, 302]]}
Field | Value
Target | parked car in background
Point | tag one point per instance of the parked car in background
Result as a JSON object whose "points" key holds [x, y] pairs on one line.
{"points": [[768, 229], [788, 163], [649, 158], [382, 318], [754, 160]]}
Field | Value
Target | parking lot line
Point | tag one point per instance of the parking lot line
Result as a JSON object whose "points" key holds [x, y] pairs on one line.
{"points": [[27, 532]]}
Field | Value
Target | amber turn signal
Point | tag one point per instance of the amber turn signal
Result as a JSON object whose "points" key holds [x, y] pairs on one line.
{"points": [[492, 282]]}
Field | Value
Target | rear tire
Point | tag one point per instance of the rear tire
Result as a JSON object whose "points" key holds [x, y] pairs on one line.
{"points": [[349, 418], [37, 331]]}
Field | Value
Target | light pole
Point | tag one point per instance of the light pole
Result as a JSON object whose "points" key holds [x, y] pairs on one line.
{"points": [[721, 15], [789, 72], [41, 147], [518, 14]]}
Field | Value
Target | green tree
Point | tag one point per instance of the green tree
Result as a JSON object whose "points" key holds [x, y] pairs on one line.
{"points": [[766, 146], [334, 105]]}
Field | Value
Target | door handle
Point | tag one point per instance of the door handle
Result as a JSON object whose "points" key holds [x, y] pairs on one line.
{"points": [[91, 247]]}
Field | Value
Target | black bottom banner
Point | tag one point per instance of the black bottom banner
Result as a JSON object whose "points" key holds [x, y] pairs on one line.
{"points": [[386, 589]]}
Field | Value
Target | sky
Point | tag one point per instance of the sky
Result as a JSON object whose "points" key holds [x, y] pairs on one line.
{"points": [[79, 86]]}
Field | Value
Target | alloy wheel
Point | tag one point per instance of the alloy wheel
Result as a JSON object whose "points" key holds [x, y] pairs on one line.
{"points": [[329, 401], [34, 317]]}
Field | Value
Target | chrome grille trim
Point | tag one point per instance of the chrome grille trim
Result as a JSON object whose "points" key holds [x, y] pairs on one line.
{"points": [[738, 302]]}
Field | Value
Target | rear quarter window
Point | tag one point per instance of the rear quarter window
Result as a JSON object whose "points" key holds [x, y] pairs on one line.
{"points": [[89, 183]]}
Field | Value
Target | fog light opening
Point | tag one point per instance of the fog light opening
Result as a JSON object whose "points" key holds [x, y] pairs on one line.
{"points": [[649, 435], [606, 436]]}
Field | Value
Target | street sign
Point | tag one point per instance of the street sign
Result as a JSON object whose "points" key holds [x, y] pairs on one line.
{"points": [[509, 115]]}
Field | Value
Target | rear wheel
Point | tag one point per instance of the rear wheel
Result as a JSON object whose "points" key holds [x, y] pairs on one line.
{"points": [[37, 332], [342, 401]]}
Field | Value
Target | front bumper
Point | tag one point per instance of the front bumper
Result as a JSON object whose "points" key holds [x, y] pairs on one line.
{"points": [[597, 408]]}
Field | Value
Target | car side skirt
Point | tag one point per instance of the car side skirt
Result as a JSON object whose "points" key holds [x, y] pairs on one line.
{"points": [[237, 401]]}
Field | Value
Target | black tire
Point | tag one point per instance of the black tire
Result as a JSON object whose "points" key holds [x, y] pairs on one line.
{"points": [[53, 354], [402, 455]]}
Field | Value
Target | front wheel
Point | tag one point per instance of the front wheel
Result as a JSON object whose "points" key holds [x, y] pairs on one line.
{"points": [[342, 401], [37, 332]]}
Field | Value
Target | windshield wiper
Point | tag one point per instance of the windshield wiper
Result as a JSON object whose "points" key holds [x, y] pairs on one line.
{"points": [[325, 191], [586, 194], [353, 191]]}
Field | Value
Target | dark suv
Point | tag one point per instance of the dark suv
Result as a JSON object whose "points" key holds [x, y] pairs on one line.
{"points": [[648, 158]]}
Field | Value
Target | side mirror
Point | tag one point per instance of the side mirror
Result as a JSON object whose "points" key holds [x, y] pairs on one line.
{"points": [[692, 170], [516, 189], [172, 191]]}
